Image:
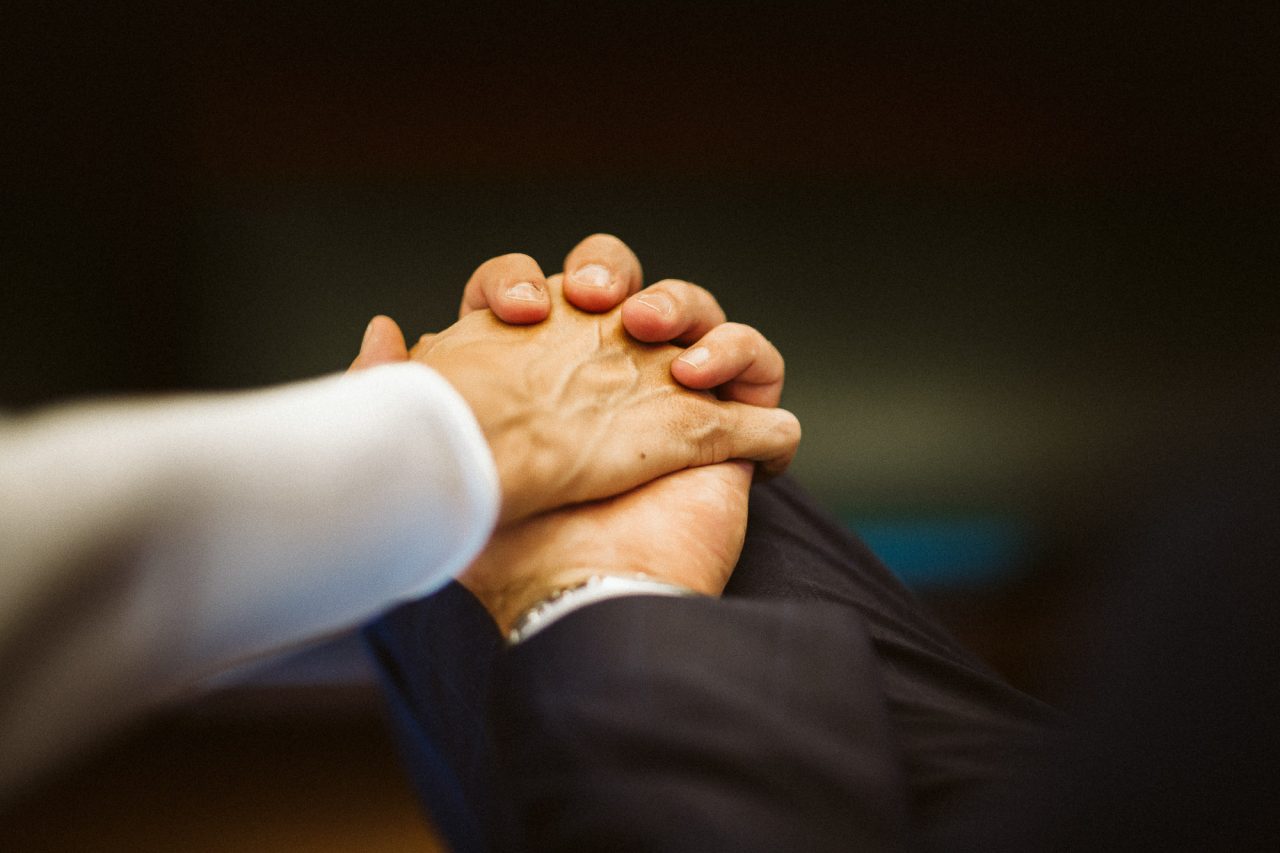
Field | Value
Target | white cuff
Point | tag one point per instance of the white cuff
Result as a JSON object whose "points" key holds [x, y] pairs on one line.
{"points": [[596, 588]]}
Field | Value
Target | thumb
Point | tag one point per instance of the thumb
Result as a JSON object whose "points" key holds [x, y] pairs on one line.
{"points": [[383, 344]]}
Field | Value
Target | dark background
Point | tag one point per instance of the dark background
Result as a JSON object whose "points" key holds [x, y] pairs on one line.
{"points": [[1018, 256], [1001, 247]]}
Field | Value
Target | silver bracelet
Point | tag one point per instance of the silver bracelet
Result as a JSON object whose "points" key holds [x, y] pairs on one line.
{"points": [[593, 589]]}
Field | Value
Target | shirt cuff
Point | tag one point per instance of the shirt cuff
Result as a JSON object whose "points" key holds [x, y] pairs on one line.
{"points": [[595, 589], [454, 459]]}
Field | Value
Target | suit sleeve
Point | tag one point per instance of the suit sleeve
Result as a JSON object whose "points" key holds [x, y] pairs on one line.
{"points": [[652, 723], [645, 723]]}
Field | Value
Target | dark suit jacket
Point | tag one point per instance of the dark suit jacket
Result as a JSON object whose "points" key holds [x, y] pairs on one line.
{"points": [[816, 707]]}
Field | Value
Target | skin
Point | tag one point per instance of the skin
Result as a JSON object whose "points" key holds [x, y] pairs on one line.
{"points": [[577, 408], [685, 528], [741, 364], [574, 410]]}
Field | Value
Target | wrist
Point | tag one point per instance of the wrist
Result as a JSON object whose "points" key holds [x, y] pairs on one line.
{"points": [[524, 455], [596, 588], [525, 476], [509, 602]]}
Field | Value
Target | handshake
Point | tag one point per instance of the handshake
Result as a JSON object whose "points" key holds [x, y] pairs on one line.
{"points": [[622, 421], [148, 544]]}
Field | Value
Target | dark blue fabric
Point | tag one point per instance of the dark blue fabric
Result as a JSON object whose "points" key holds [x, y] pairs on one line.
{"points": [[953, 723], [656, 724], [676, 724], [435, 657]]}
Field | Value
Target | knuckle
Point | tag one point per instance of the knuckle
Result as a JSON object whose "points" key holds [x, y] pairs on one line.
{"points": [[716, 436], [662, 288], [672, 286], [683, 293], [703, 428], [598, 248], [697, 291], [512, 259], [744, 340], [708, 305], [603, 239], [506, 270], [503, 269]]}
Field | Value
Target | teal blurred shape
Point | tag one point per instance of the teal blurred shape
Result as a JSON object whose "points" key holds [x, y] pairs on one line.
{"points": [[951, 553]]}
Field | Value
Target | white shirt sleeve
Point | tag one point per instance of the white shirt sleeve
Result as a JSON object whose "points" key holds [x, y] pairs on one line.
{"points": [[145, 545]]}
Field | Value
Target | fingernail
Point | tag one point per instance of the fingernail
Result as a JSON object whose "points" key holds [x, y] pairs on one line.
{"points": [[526, 291], [592, 275], [656, 302], [696, 357]]}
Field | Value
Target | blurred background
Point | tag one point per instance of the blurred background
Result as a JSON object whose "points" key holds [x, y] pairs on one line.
{"points": [[1019, 257]]}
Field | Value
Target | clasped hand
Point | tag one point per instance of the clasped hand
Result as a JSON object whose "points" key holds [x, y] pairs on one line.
{"points": [[584, 414]]}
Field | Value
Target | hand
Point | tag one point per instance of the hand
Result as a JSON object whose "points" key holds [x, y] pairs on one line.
{"points": [[685, 528], [735, 360], [602, 271], [575, 410]]}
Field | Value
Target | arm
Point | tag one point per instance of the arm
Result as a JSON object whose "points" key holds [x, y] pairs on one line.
{"points": [[640, 723], [697, 724], [686, 705], [145, 545], [958, 731], [646, 723], [573, 408]]}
